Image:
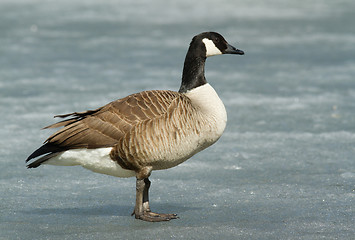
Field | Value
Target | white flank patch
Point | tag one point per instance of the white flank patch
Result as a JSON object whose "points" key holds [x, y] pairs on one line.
{"points": [[97, 160], [211, 48]]}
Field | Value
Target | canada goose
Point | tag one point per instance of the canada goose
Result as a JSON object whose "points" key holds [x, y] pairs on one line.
{"points": [[145, 131]]}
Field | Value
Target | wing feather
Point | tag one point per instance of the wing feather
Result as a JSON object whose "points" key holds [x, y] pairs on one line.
{"points": [[104, 126]]}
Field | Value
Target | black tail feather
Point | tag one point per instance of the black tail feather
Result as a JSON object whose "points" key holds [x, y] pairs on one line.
{"points": [[48, 149], [41, 160]]}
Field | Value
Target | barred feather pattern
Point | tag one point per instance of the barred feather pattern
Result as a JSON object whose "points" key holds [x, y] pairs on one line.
{"points": [[105, 126], [161, 142], [168, 140]]}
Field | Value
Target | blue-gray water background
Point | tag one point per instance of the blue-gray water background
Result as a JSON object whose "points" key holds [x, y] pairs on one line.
{"points": [[285, 167]]}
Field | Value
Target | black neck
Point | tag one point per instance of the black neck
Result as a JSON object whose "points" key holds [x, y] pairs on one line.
{"points": [[194, 69]]}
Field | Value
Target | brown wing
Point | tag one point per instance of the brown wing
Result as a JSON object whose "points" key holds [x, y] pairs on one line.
{"points": [[104, 126]]}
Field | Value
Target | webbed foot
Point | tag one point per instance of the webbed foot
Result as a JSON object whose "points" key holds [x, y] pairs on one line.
{"points": [[156, 217]]}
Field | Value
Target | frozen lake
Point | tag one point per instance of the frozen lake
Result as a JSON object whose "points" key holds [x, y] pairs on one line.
{"points": [[285, 167]]}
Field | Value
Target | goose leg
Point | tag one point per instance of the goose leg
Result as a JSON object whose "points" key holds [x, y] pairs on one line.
{"points": [[142, 210], [146, 207]]}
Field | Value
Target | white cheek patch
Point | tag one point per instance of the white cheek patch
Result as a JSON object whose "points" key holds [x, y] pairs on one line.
{"points": [[211, 49]]}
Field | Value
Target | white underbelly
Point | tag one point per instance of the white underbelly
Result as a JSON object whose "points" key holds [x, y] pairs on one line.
{"points": [[97, 160]]}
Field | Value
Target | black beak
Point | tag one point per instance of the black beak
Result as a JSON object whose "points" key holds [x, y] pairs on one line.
{"points": [[232, 50]]}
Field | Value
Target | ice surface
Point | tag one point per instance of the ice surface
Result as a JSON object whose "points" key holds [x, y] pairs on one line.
{"points": [[285, 167]]}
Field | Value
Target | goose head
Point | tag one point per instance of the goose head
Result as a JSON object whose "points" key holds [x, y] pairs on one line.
{"points": [[203, 45], [212, 43]]}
